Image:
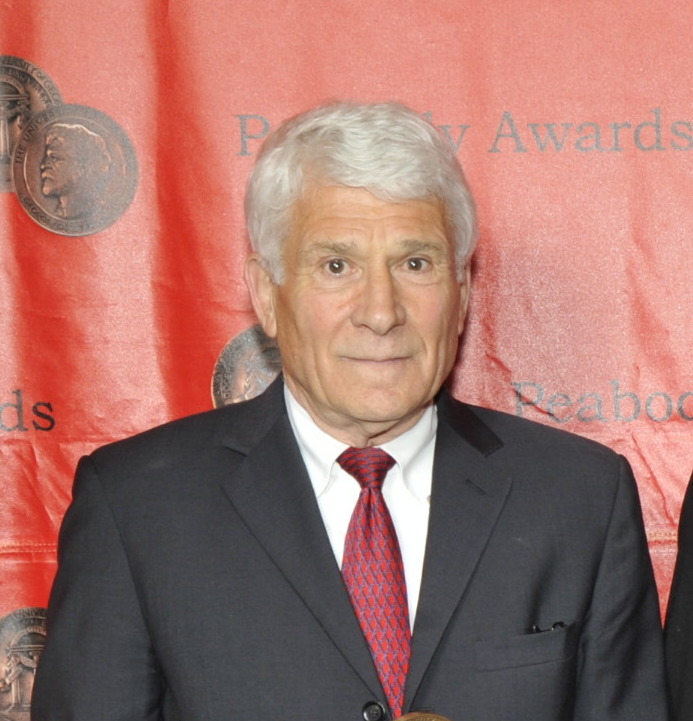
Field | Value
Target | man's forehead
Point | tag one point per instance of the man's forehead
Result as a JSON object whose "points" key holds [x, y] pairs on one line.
{"points": [[343, 210], [332, 194]]}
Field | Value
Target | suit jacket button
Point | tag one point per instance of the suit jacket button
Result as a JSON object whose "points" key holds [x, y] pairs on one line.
{"points": [[373, 711]]}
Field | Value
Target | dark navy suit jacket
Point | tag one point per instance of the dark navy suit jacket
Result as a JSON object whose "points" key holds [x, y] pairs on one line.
{"points": [[196, 582], [679, 624]]}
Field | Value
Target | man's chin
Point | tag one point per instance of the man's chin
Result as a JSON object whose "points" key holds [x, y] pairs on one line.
{"points": [[388, 412]]}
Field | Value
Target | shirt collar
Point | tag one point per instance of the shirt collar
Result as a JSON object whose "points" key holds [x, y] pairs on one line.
{"points": [[320, 450]]}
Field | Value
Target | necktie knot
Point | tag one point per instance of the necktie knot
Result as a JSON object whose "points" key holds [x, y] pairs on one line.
{"points": [[368, 466]]}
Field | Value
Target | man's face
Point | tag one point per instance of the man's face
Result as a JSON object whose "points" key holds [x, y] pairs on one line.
{"points": [[370, 311], [59, 167]]}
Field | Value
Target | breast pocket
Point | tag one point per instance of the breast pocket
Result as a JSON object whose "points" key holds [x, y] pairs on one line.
{"points": [[526, 650]]}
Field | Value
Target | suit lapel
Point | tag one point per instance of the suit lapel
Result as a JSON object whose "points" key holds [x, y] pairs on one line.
{"points": [[271, 492], [469, 491]]}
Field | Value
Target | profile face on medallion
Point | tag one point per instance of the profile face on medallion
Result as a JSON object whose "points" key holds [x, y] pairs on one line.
{"points": [[74, 170]]}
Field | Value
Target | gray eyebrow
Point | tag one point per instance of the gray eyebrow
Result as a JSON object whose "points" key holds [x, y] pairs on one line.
{"points": [[340, 246]]}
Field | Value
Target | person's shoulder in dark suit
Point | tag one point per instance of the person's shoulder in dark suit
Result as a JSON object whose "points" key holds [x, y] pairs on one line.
{"points": [[678, 635], [159, 451], [534, 445]]}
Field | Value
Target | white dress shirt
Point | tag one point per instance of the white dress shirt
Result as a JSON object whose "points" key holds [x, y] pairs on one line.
{"points": [[406, 489]]}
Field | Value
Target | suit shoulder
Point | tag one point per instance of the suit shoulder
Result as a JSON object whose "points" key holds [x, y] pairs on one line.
{"points": [[527, 443], [511, 426], [235, 426], [552, 464]]}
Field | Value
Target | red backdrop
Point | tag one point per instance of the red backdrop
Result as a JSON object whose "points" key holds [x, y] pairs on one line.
{"points": [[574, 122]]}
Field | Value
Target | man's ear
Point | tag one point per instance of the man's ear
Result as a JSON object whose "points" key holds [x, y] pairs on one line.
{"points": [[261, 288], [465, 287]]}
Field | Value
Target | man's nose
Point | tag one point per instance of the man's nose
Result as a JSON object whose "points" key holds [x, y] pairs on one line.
{"points": [[379, 305]]}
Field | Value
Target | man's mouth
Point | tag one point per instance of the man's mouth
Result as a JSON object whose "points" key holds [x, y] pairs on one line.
{"points": [[377, 359]]}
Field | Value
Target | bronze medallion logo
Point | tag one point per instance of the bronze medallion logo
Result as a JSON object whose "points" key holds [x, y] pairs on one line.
{"points": [[247, 364], [25, 90], [22, 637], [74, 170]]}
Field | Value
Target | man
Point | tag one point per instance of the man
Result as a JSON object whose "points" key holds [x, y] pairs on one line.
{"points": [[200, 562], [679, 624]]}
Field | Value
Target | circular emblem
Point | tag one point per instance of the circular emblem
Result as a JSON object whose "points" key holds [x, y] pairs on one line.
{"points": [[247, 364], [74, 170], [22, 637], [24, 91]]}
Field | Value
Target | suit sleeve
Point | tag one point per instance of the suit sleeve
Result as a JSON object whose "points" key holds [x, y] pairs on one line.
{"points": [[621, 667], [679, 624], [98, 662]]}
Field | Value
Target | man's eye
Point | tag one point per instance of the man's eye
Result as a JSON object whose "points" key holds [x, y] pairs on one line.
{"points": [[336, 266], [416, 264]]}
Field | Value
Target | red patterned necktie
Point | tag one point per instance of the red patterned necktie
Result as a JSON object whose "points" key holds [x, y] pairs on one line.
{"points": [[374, 574]]}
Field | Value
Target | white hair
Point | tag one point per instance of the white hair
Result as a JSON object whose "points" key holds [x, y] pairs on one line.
{"points": [[385, 148]]}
